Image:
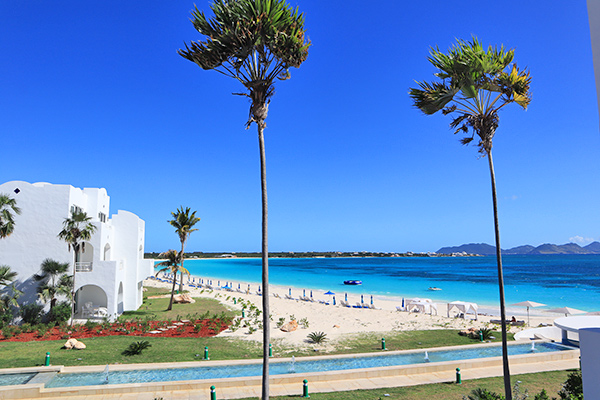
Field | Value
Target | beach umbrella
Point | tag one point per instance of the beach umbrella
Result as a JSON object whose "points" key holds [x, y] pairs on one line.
{"points": [[345, 296], [329, 293], [334, 300], [371, 299], [238, 285], [259, 288], [248, 287], [565, 310], [403, 302], [311, 294], [528, 303], [303, 292], [219, 283], [361, 299], [290, 291]]}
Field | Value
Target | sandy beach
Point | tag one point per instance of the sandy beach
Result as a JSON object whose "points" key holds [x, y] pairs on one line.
{"points": [[338, 321]]}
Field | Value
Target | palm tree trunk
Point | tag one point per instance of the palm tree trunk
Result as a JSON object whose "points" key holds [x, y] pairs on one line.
{"points": [[507, 385], [181, 273], [172, 292], [265, 263], [75, 247]]}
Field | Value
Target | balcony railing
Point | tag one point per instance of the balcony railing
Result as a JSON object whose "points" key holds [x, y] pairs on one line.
{"points": [[83, 266]]}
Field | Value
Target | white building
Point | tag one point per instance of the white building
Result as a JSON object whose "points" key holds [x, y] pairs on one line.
{"points": [[111, 269]]}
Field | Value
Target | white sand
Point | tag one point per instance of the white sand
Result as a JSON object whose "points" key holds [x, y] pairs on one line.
{"points": [[337, 321]]}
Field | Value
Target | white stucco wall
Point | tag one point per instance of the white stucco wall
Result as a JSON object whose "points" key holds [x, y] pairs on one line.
{"points": [[44, 208], [589, 343]]}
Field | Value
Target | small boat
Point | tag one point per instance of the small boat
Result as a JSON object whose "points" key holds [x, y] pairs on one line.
{"points": [[434, 288], [352, 282]]}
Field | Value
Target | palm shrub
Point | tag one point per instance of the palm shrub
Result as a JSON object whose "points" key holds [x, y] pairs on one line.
{"points": [[573, 387], [476, 83], [136, 348], [483, 394], [317, 337]]}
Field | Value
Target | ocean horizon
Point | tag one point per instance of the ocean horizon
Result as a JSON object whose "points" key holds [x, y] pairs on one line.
{"points": [[554, 280]]}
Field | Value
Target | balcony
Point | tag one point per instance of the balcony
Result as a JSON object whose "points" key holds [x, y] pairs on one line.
{"points": [[83, 266]]}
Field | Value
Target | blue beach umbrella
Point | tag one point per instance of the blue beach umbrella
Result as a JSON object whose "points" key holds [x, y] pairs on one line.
{"points": [[371, 299], [361, 299], [304, 292], [334, 300], [248, 287], [345, 296], [329, 293], [238, 285], [403, 302], [311, 293], [259, 288], [219, 283], [290, 291]]}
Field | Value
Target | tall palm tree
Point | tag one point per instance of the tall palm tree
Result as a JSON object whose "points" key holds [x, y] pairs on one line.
{"points": [[8, 207], [53, 281], [76, 230], [172, 264], [254, 42], [183, 222], [475, 84]]}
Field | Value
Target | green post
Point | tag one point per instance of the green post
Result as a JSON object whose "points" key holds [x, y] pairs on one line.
{"points": [[270, 350], [458, 378], [213, 393], [47, 363], [305, 389], [243, 313], [383, 344], [206, 353], [234, 300], [481, 335]]}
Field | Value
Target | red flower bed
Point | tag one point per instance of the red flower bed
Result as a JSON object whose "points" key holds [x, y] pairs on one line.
{"points": [[199, 328]]}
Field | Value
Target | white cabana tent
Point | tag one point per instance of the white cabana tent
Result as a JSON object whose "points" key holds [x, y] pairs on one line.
{"points": [[464, 307], [421, 305]]}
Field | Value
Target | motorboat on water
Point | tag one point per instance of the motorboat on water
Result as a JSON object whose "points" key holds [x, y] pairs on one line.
{"points": [[434, 288], [352, 282]]}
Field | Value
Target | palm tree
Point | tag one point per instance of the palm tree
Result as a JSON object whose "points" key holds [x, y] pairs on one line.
{"points": [[54, 281], [76, 230], [475, 84], [6, 275], [254, 42], [8, 299], [8, 206], [172, 264], [183, 222]]}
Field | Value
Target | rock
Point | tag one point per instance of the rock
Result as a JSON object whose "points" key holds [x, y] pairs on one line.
{"points": [[183, 298], [290, 326], [70, 344], [79, 346]]}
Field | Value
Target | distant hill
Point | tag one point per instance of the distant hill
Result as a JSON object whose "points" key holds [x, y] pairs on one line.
{"points": [[547, 248]]}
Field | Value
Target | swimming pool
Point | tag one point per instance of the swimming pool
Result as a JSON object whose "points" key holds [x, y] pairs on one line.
{"points": [[282, 367]]}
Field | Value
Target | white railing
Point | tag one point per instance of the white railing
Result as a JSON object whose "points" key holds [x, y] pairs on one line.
{"points": [[83, 266]]}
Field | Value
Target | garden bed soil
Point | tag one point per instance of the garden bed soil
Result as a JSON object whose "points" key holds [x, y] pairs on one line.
{"points": [[199, 328]]}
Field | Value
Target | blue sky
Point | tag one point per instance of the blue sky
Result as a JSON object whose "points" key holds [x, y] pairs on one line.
{"points": [[94, 94]]}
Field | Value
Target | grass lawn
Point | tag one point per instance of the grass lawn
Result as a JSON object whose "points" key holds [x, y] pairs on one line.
{"points": [[107, 350], [155, 309], [534, 383]]}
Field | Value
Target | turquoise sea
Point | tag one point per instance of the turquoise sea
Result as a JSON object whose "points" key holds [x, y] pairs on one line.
{"points": [[555, 280]]}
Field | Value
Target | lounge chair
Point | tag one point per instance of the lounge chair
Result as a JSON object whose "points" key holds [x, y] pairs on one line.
{"points": [[87, 310], [287, 296], [398, 308]]}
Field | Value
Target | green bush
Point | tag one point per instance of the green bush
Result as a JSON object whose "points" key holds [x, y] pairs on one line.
{"points": [[483, 394], [572, 388], [31, 313], [136, 348], [61, 312]]}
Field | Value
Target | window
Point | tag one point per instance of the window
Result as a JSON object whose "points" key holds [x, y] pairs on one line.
{"points": [[76, 209], [102, 217]]}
